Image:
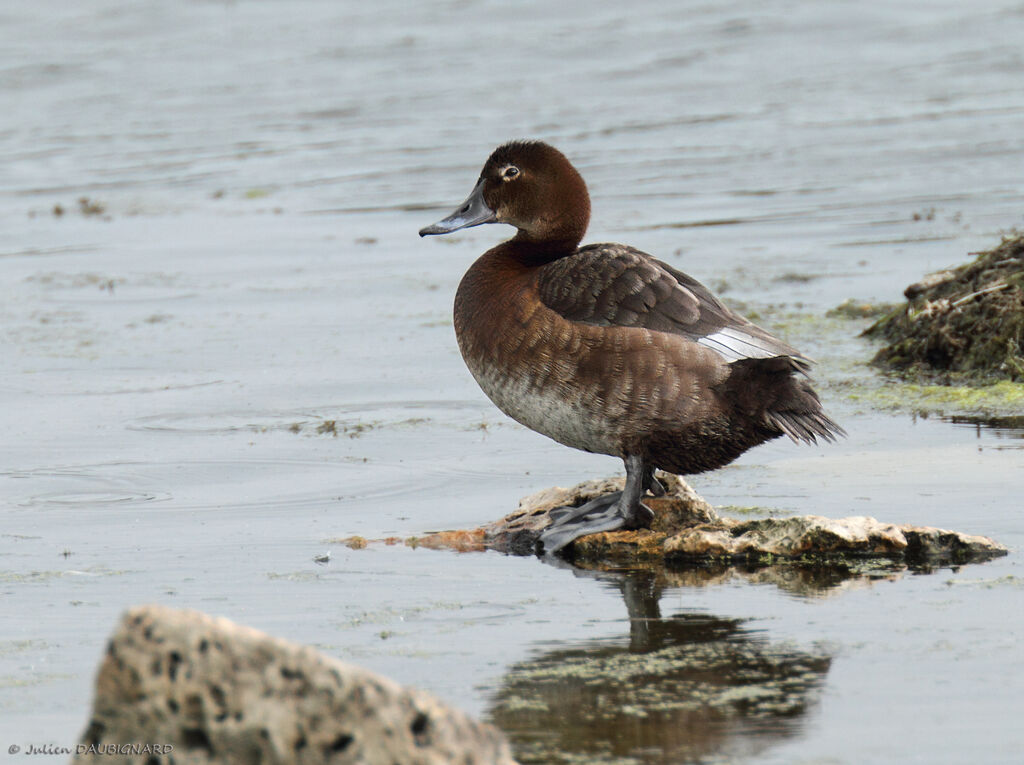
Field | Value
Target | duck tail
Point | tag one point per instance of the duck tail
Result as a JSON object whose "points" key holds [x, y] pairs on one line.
{"points": [[806, 427], [797, 413], [779, 389]]}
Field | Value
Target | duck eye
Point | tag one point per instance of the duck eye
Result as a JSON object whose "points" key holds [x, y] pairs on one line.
{"points": [[509, 172]]}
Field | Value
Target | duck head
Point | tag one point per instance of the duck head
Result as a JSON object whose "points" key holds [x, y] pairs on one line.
{"points": [[529, 185]]}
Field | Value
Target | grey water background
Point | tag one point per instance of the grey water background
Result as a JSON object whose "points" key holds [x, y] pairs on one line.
{"points": [[168, 366]]}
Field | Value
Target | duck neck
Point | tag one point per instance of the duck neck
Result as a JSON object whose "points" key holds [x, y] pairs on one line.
{"points": [[532, 251]]}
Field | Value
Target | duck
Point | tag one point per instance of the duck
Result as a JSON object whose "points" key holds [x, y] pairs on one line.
{"points": [[609, 350]]}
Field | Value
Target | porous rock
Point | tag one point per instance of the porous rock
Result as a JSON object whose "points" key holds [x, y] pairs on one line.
{"points": [[218, 692]]}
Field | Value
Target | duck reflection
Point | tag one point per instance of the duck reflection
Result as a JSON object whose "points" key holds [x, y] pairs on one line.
{"points": [[683, 688]]}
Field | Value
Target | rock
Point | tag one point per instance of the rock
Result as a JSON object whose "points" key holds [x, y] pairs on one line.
{"points": [[816, 537], [218, 692], [687, 530], [926, 542], [799, 537], [518, 532]]}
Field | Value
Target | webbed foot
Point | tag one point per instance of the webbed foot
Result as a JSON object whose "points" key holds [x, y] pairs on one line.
{"points": [[570, 523], [609, 512]]}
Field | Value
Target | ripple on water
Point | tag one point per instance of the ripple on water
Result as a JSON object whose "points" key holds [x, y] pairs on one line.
{"points": [[78, 485], [347, 419], [217, 484]]}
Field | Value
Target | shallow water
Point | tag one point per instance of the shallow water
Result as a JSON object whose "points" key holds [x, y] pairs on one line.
{"points": [[171, 363]]}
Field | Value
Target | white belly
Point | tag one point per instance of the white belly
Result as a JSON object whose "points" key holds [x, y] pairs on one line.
{"points": [[547, 409]]}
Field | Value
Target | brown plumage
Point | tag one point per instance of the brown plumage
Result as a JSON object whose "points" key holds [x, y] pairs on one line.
{"points": [[606, 349]]}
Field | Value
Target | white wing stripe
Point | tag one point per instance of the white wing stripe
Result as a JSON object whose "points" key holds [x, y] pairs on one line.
{"points": [[721, 349], [760, 343], [734, 345]]}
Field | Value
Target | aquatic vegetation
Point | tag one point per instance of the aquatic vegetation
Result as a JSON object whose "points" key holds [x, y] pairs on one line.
{"points": [[860, 309], [961, 325], [997, 398]]}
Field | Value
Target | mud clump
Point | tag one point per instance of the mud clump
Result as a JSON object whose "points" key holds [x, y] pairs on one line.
{"points": [[962, 325]]}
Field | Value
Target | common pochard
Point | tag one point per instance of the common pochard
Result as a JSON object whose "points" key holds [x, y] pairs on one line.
{"points": [[608, 350]]}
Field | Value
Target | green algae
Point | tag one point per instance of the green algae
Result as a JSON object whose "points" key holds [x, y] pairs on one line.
{"points": [[997, 399], [860, 309]]}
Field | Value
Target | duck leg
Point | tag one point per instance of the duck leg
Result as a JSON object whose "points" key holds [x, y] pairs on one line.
{"points": [[652, 484], [617, 510]]}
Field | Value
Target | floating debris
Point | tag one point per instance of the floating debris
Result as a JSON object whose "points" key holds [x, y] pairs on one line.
{"points": [[90, 207]]}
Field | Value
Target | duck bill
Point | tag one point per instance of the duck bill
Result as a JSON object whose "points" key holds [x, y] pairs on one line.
{"points": [[473, 212]]}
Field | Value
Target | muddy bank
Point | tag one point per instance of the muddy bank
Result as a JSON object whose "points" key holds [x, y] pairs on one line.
{"points": [[964, 324]]}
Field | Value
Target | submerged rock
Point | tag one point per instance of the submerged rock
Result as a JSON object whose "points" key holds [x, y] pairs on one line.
{"points": [[211, 691], [961, 324], [688, 530]]}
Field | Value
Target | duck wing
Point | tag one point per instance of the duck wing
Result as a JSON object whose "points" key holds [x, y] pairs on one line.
{"points": [[615, 285]]}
